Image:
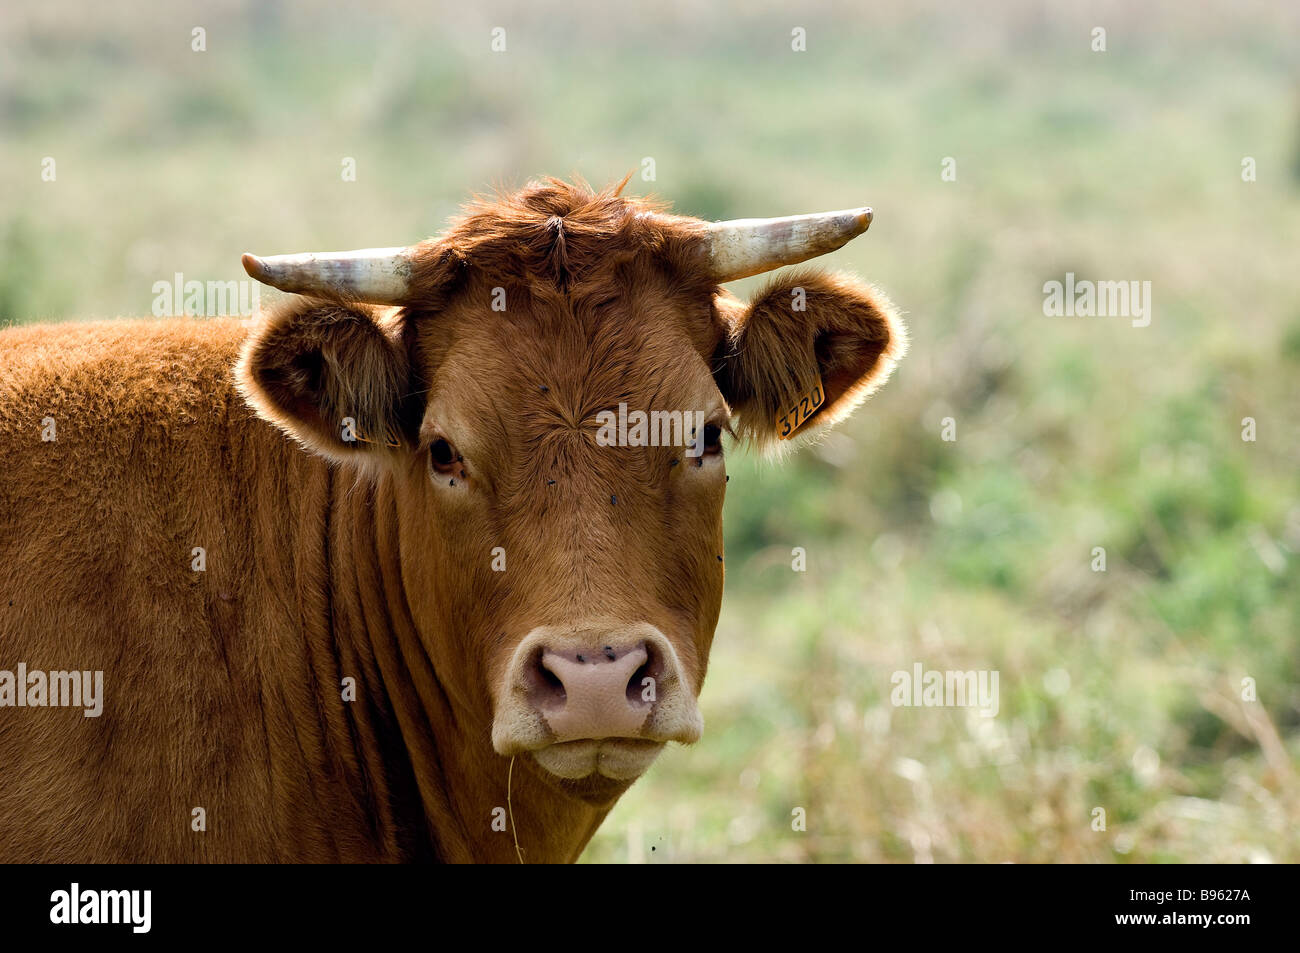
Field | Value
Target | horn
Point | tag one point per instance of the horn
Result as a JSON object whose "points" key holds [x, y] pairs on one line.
{"points": [[374, 275], [751, 246]]}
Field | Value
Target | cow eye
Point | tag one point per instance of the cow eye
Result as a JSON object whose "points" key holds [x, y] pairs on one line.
{"points": [[442, 456], [712, 439]]}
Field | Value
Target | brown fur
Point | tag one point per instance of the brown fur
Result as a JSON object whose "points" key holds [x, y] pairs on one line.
{"points": [[328, 558]]}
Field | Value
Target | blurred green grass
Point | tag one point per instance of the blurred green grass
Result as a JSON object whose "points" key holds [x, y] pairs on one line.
{"points": [[1120, 690]]}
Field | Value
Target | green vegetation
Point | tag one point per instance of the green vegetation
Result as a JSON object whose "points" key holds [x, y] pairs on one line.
{"points": [[1120, 690]]}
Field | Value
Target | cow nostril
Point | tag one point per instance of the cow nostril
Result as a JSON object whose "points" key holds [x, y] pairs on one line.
{"points": [[640, 691], [545, 689]]}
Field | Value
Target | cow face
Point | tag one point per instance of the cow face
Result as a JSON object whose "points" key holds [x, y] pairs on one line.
{"points": [[546, 408]]}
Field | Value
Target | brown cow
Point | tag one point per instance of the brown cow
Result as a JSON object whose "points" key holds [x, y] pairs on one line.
{"points": [[382, 593]]}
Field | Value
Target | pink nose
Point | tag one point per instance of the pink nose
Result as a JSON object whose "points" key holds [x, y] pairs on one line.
{"points": [[603, 680], [593, 694]]}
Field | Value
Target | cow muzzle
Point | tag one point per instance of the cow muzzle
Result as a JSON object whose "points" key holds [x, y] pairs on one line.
{"points": [[599, 700]]}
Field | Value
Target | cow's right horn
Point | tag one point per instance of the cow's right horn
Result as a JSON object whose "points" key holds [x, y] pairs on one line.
{"points": [[374, 275]]}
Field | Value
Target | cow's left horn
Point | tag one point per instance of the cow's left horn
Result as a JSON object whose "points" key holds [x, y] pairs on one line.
{"points": [[751, 246], [374, 275]]}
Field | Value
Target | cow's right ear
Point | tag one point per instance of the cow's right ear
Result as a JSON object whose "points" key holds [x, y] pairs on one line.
{"points": [[329, 374]]}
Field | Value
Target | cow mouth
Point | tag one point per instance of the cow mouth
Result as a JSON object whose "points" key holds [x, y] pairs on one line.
{"points": [[615, 759]]}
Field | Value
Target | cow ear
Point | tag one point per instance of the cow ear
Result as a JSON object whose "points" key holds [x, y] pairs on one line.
{"points": [[804, 353], [332, 375]]}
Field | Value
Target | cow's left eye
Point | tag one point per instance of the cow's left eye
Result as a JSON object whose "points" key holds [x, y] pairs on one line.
{"points": [[712, 439], [443, 457]]}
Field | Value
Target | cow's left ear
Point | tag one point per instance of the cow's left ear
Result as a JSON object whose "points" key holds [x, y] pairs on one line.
{"points": [[804, 353], [332, 375]]}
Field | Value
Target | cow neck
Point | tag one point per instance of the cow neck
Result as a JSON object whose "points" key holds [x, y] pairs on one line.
{"points": [[425, 764]]}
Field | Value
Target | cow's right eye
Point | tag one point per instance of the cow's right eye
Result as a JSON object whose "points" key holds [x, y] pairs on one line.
{"points": [[712, 439], [443, 457]]}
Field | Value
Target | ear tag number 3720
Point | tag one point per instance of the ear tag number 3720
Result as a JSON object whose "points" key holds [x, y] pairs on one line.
{"points": [[803, 408]]}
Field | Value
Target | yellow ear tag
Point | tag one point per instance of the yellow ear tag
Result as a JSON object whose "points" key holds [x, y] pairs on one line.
{"points": [[789, 421]]}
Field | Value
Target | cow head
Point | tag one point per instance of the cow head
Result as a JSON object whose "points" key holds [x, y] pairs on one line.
{"points": [[518, 384]]}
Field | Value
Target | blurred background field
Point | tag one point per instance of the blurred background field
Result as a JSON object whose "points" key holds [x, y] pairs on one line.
{"points": [[1120, 690]]}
